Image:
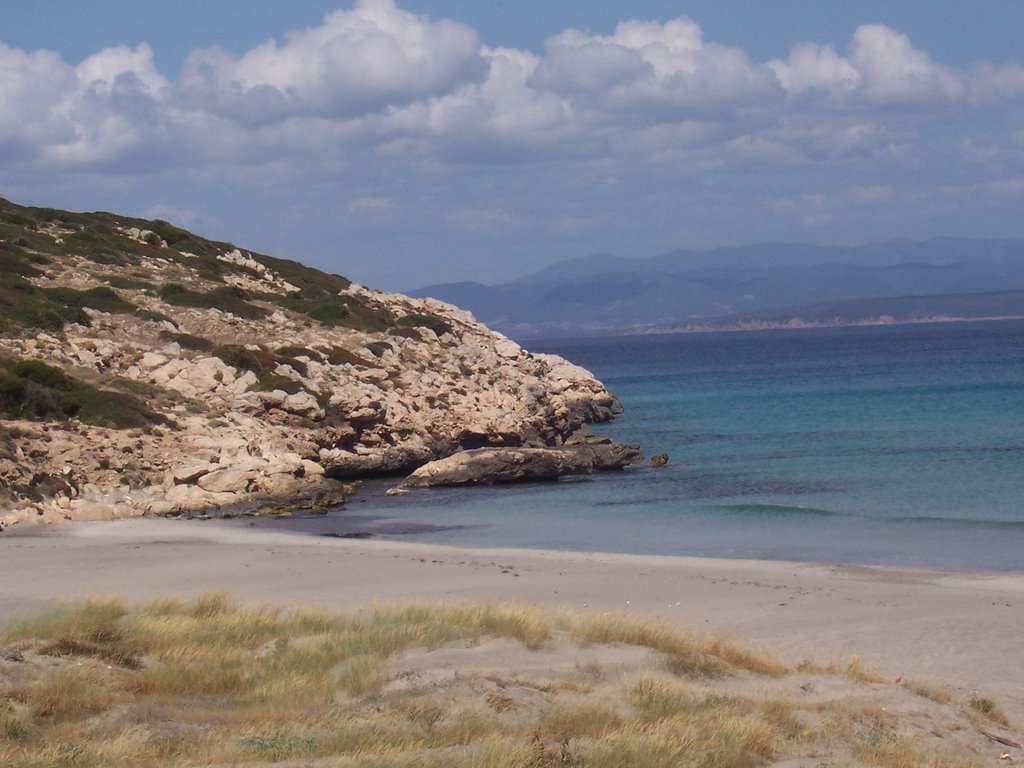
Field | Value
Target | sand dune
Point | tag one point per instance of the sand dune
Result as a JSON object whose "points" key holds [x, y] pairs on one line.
{"points": [[960, 629]]}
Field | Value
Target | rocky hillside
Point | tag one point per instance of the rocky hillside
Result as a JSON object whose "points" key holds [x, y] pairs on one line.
{"points": [[144, 369]]}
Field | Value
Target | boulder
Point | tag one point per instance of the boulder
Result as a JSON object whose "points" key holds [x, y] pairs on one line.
{"points": [[303, 404], [229, 480], [339, 463], [191, 472], [517, 465]]}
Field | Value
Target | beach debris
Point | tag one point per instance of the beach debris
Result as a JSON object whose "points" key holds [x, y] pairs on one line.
{"points": [[659, 460], [1005, 741]]}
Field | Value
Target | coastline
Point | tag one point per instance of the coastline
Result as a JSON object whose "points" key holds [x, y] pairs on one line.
{"points": [[810, 325], [943, 627]]}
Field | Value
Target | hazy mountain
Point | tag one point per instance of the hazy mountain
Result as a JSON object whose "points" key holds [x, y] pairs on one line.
{"points": [[604, 293]]}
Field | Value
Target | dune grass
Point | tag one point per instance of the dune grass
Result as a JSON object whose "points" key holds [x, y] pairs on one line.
{"points": [[206, 682]]}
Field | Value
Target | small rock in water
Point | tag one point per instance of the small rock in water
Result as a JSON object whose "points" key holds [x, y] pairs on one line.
{"points": [[660, 460]]}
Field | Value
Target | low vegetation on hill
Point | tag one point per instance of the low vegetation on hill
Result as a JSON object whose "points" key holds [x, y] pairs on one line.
{"points": [[118, 252], [206, 682]]}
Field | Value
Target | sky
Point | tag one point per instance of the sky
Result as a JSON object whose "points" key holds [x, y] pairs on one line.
{"points": [[410, 142]]}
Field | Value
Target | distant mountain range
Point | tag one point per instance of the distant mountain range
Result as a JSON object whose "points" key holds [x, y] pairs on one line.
{"points": [[605, 293]]}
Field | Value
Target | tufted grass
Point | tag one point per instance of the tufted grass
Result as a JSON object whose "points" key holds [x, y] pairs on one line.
{"points": [[207, 682]]}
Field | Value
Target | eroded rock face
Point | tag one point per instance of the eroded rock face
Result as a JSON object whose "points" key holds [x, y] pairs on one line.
{"points": [[330, 402], [485, 466]]}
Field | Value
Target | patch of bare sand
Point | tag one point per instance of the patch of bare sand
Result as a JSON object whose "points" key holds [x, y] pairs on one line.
{"points": [[824, 710]]}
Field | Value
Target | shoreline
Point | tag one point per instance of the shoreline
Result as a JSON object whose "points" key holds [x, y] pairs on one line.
{"points": [[812, 325], [960, 628]]}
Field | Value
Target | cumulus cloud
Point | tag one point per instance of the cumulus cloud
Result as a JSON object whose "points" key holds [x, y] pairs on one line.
{"points": [[121, 67], [377, 104], [647, 63], [882, 67], [31, 86], [892, 70], [357, 61], [382, 81]]}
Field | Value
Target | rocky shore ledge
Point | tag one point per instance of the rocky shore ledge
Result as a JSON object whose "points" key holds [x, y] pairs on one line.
{"points": [[145, 370]]}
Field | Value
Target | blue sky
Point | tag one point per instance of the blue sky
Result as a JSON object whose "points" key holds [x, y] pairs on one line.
{"points": [[439, 140]]}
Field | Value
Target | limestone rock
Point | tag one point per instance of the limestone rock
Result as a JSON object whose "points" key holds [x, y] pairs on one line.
{"points": [[303, 404], [228, 480], [346, 402], [515, 465], [191, 472]]}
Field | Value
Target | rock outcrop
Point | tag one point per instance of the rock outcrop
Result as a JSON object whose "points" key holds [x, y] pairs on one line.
{"points": [[146, 370], [486, 466]]}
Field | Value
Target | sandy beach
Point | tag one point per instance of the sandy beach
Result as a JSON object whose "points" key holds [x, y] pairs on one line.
{"points": [[960, 629]]}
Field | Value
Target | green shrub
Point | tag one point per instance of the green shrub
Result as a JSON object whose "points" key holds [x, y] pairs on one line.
{"points": [[172, 293], [155, 317], [312, 283], [101, 298], [227, 299], [270, 381], [20, 398], [31, 389], [245, 359], [114, 410], [13, 262], [188, 341], [41, 373], [293, 351], [378, 348], [127, 283], [343, 311], [260, 361], [339, 356], [22, 305], [434, 323], [404, 332]]}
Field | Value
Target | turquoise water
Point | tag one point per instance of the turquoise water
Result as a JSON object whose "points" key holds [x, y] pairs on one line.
{"points": [[884, 445]]}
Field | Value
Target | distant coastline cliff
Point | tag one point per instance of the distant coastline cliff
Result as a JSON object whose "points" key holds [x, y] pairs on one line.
{"points": [[144, 369]]}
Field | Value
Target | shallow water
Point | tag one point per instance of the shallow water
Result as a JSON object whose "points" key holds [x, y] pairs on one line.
{"points": [[882, 445]]}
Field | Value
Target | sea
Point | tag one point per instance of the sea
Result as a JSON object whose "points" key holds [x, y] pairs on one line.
{"points": [[881, 445]]}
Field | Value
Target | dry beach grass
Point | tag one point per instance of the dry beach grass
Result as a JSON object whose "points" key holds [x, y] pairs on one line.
{"points": [[205, 681]]}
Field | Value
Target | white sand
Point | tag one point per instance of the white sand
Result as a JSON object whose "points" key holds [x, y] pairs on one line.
{"points": [[962, 629]]}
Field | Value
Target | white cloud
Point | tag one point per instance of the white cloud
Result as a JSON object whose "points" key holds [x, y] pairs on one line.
{"points": [[893, 71], [31, 85], [121, 67], [376, 104], [816, 67], [379, 81], [882, 67], [647, 63], [357, 61]]}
